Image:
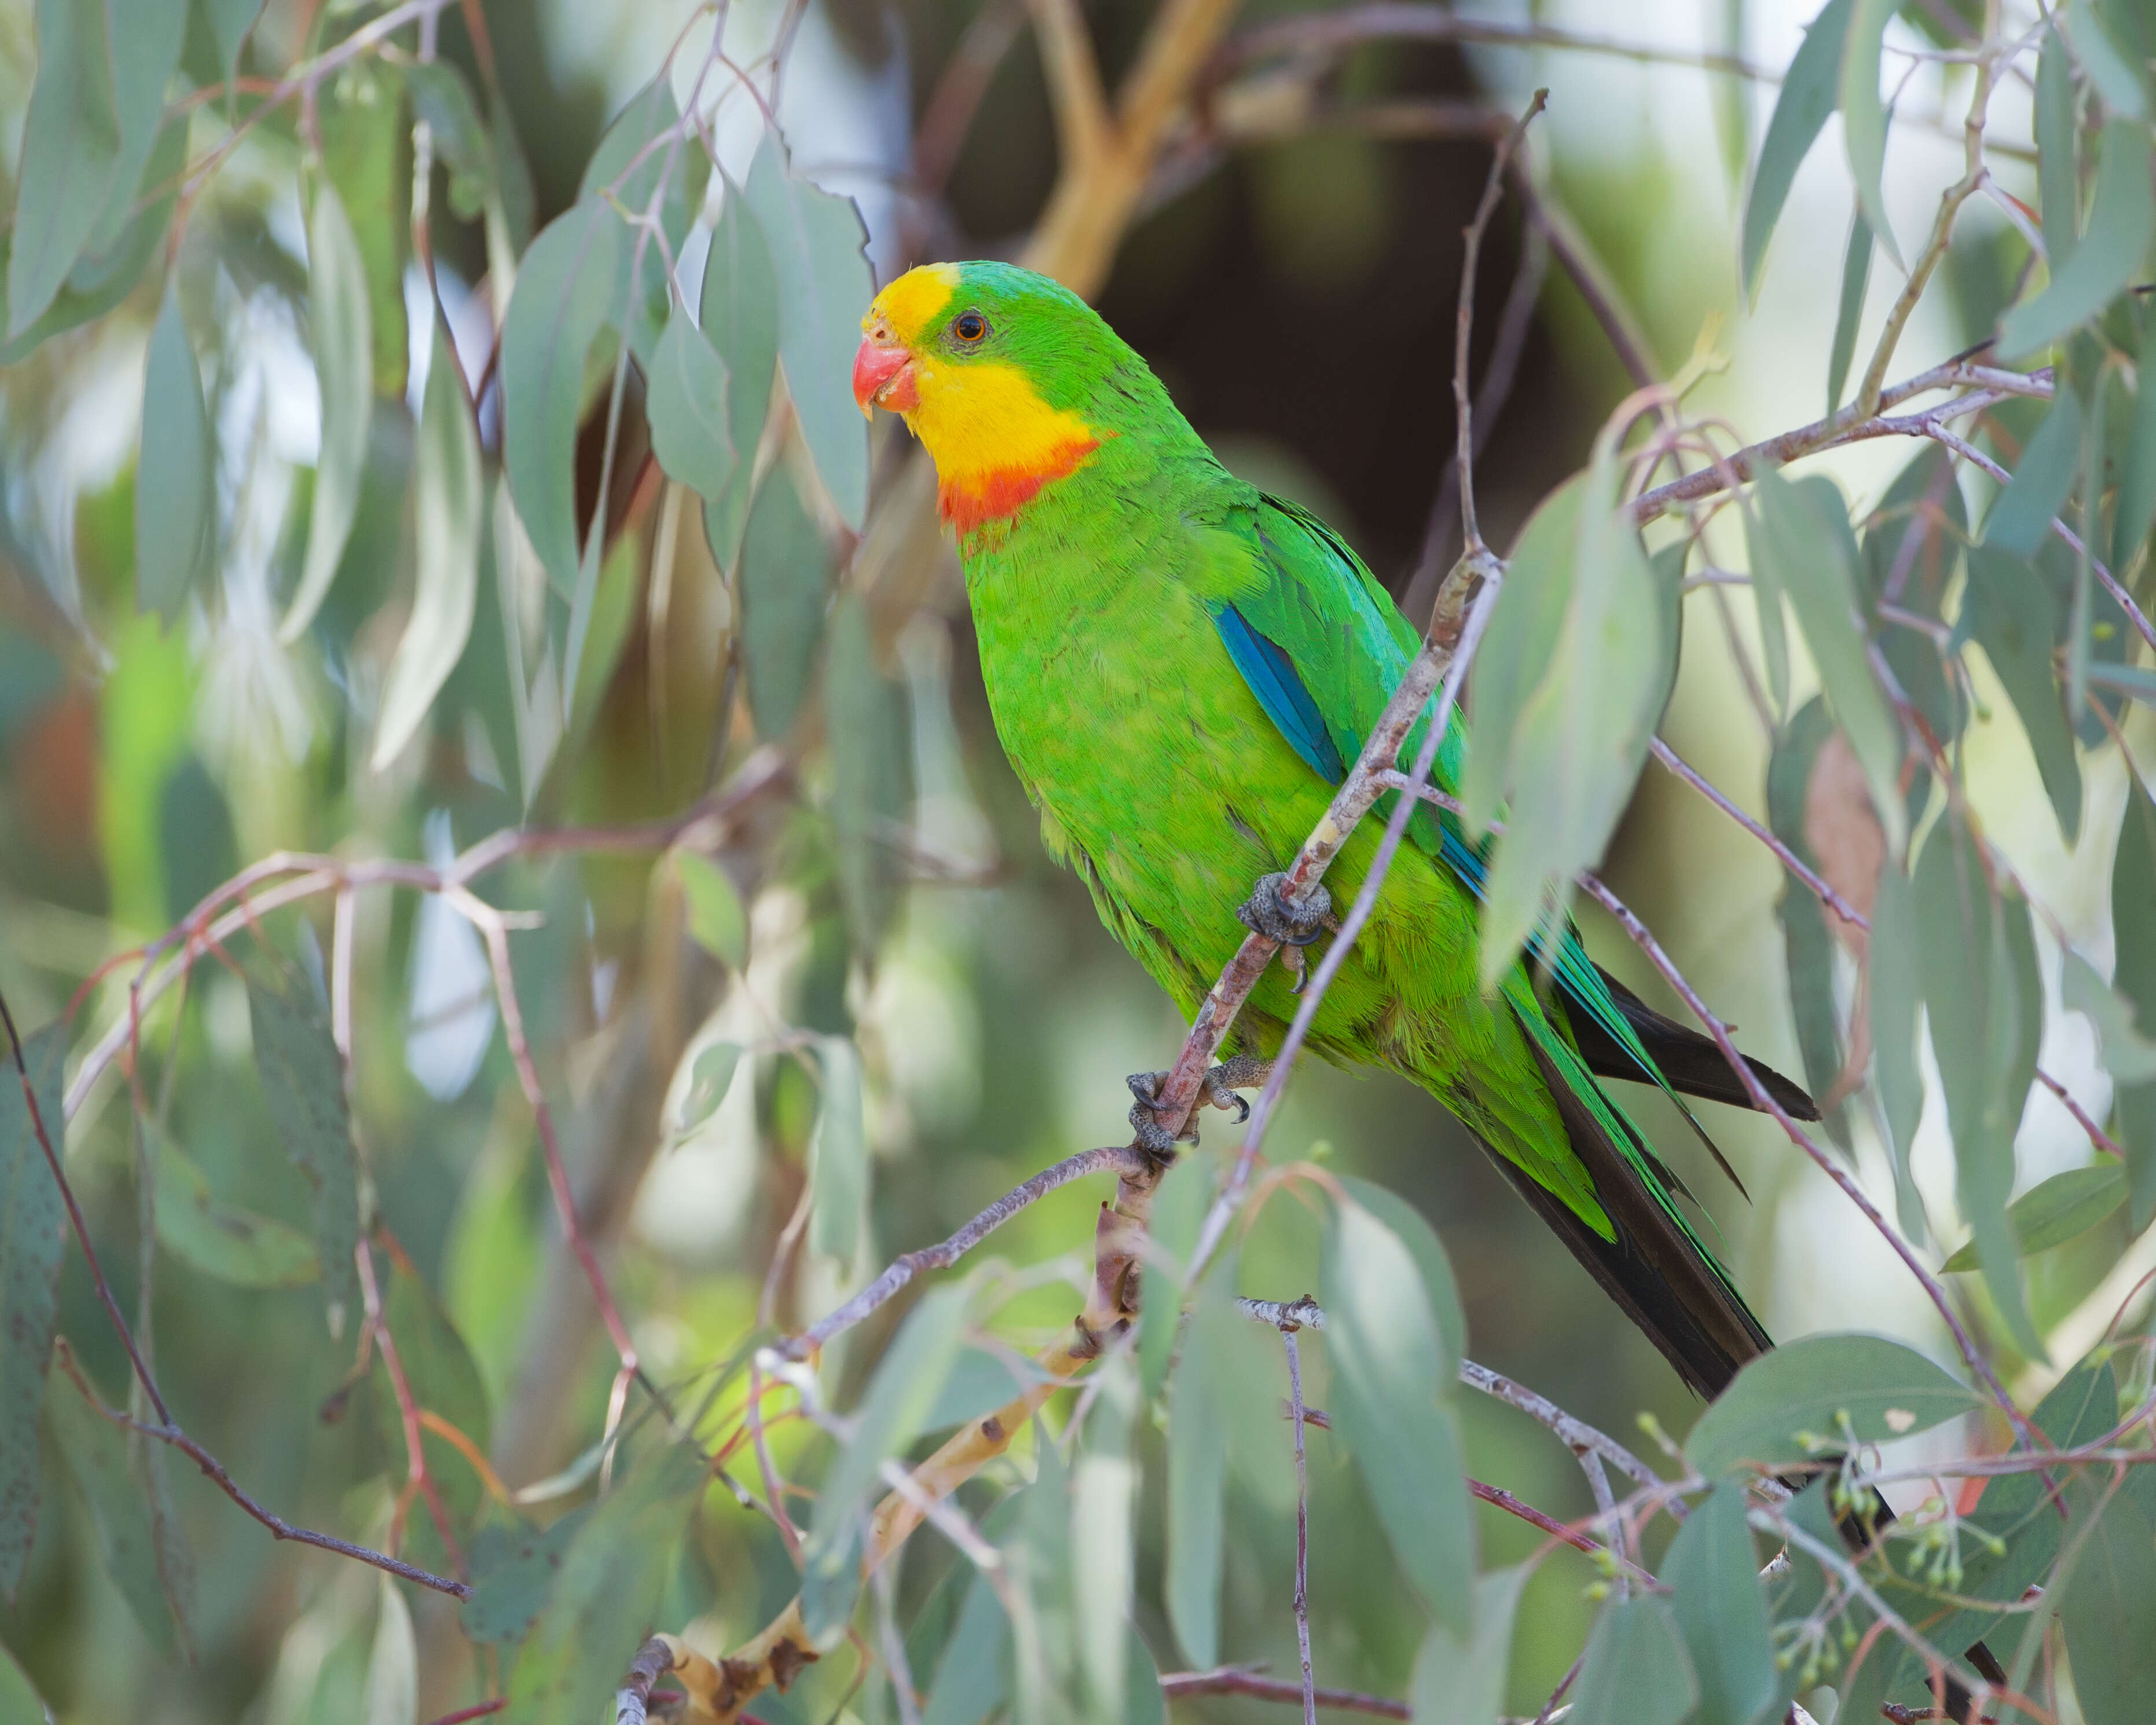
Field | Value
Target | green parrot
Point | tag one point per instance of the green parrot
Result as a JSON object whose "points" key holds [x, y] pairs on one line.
{"points": [[1181, 669]]}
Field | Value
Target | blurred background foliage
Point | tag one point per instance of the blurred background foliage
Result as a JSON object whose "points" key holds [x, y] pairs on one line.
{"points": [[884, 891]]}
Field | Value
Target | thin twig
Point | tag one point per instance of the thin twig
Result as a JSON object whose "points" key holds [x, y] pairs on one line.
{"points": [[1301, 1523], [1177, 1685]]}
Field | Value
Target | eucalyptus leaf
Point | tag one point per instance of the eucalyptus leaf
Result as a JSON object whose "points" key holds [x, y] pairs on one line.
{"points": [[2065, 1206], [1200, 1406], [2121, 219], [1712, 1571], [449, 500], [1864, 118], [738, 313], [33, 1226], [303, 1086], [1179, 1205], [442, 99], [1808, 943], [342, 341], [1856, 277], [2110, 67], [2129, 1056], [839, 1175], [2133, 977], [392, 1695], [233, 1244], [2020, 519], [2135, 510], [716, 920], [367, 156], [1894, 994], [175, 479], [816, 242], [2107, 1598], [2012, 613], [1461, 1680], [2058, 145], [1883, 1389], [691, 427], [512, 1571], [1810, 92], [785, 581], [1635, 1670]]}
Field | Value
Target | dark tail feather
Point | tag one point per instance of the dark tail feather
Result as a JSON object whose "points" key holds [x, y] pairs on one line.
{"points": [[1693, 1063], [1654, 1269]]}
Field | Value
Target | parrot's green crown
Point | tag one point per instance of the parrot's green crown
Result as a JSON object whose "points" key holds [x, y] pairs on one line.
{"points": [[1007, 377]]}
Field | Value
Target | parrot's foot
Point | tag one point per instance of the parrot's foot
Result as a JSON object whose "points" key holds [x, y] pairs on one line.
{"points": [[1156, 1137], [1268, 911]]}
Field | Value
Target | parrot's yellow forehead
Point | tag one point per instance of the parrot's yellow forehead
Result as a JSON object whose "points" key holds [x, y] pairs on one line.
{"points": [[909, 305]]}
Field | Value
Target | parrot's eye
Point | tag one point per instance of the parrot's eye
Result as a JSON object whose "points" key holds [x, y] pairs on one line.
{"points": [[969, 327]]}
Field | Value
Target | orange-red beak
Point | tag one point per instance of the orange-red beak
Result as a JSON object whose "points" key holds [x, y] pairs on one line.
{"points": [[883, 378]]}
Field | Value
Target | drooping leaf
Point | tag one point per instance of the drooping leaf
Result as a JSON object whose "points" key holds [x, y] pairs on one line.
{"points": [[2012, 613], [2130, 1054], [970, 1681], [1635, 1671], [1583, 732], [2058, 163], [1810, 92], [784, 575], [32, 1219], [512, 1571], [1805, 936], [738, 313], [1894, 994], [96, 113], [839, 1176], [2135, 510], [442, 99], [231, 21], [1984, 1004], [1439, 1285], [393, 1664], [303, 1087], [2121, 219], [20, 1703], [2056, 1210], [864, 719], [1886, 1390], [691, 429], [94, 1453], [1104, 1483], [175, 493], [892, 1413], [716, 920], [1461, 1680], [1201, 1404], [1720, 1613], [643, 146], [710, 1077], [1912, 554], [1856, 277], [2133, 926], [233, 1244], [566, 294], [444, 1380], [1178, 1212], [2110, 66], [2107, 1602], [2020, 519], [1393, 1383], [1804, 536], [1864, 118], [360, 112], [449, 499], [605, 1593], [816, 240], [343, 347]]}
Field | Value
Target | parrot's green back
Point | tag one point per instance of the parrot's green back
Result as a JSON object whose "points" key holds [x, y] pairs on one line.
{"points": [[1180, 670]]}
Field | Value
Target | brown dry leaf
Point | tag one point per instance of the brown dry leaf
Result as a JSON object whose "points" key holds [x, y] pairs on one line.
{"points": [[1842, 831]]}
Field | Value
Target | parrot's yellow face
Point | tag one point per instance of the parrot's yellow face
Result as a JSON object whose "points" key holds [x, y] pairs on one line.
{"points": [[952, 362]]}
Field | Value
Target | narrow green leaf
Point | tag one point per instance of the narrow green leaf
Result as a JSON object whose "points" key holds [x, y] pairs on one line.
{"points": [[2110, 68], [1713, 1572], [448, 498], [94, 1452], [1103, 1490], [512, 1571], [1392, 1389], [824, 285], [691, 429], [711, 1076], [2133, 927], [1803, 534], [1895, 993], [1178, 1212], [233, 1244], [175, 491], [2122, 218], [2049, 1214], [839, 1176], [784, 578], [1985, 1003], [2128, 1055], [515, 205], [2137, 682], [33, 1224], [565, 297], [96, 113], [2058, 147], [20, 1703], [1200, 1405], [343, 344], [2021, 516], [970, 1681], [2106, 1600], [231, 21], [366, 154], [444, 1380], [303, 1087], [393, 1667], [1461, 1680], [1732, 95], [642, 144], [892, 1413], [442, 99], [738, 313], [2012, 611], [1438, 1283], [605, 1593], [1808, 94], [1856, 277], [1635, 1671], [1516, 646], [2136, 509], [716, 920], [1886, 1390], [1810, 945], [1864, 119], [864, 720]]}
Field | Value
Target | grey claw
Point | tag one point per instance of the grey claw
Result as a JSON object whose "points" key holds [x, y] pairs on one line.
{"points": [[1267, 911]]}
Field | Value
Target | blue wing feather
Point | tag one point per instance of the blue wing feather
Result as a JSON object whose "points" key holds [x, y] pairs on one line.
{"points": [[1272, 677]]}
